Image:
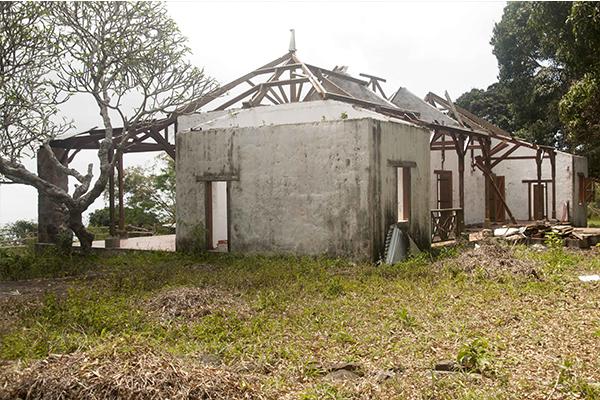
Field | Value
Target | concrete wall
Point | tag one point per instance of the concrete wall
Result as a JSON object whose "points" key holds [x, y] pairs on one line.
{"points": [[394, 144], [579, 214], [310, 188]]}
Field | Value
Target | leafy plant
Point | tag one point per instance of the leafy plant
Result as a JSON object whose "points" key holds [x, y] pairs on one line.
{"points": [[334, 289], [475, 355], [406, 319], [553, 240]]}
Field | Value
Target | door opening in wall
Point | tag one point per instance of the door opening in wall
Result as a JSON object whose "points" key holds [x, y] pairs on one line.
{"points": [[217, 206], [403, 182], [497, 210]]}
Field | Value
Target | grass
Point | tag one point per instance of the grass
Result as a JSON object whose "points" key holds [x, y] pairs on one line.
{"points": [[535, 337]]}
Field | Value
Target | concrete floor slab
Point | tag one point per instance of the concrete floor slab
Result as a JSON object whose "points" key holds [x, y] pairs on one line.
{"points": [[163, 242]]}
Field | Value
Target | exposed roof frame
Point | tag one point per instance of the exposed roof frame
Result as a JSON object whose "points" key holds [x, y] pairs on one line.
{"points": [[320, 86], [474, 122], [144, 139]]}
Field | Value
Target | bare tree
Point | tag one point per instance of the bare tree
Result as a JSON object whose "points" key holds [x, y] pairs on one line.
{"points": [[120, 53]]}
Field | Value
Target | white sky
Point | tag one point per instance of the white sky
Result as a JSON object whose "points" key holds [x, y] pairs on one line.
{"points": [[423, 46]]}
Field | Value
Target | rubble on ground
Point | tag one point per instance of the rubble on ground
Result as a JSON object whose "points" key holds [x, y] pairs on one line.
{"points": [[539, 233]]}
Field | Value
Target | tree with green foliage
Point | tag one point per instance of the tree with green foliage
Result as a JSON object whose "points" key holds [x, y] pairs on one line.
{"points": [[549, 60], [149, 195], [116, 52], [19, 229], [580, 107], [491, 105]]}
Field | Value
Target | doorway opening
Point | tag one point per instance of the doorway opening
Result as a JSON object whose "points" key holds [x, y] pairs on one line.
{"points": [[403, 193], [217, 211]]}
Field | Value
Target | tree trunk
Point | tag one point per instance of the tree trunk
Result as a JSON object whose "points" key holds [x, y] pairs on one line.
{"points": [[76, 225]]}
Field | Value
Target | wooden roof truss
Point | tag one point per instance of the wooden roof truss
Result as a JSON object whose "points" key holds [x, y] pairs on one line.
{"points": [[289, 80], [153, 136]]}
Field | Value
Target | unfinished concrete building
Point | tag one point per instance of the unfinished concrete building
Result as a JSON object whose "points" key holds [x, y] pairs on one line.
{"points": [[301, 159], [327, 167]]}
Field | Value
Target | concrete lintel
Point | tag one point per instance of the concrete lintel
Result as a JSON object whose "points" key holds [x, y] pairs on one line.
{"points": [[209, 177], [402, 164]]}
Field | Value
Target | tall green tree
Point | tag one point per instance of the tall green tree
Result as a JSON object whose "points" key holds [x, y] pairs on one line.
{"points": [[580, 107], [116, 52], [531, 68], [549, 82]]}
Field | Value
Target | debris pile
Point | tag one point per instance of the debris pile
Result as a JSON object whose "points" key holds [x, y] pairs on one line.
{"points": [[541, 232], [192, 303], [132, 376], [491, 259]]}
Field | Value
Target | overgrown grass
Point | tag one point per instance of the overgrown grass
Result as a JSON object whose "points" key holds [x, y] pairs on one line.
{"points": [[283, 312]]}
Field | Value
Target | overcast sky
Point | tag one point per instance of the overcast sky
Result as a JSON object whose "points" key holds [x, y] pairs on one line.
{"points": [[423, 46]]}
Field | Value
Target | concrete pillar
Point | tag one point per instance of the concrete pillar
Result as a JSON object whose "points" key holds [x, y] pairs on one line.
{"points": [[49, 215]]}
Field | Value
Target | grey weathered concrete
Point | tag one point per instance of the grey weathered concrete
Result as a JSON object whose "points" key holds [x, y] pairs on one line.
{"points": [[579, 217], [309, 188]]}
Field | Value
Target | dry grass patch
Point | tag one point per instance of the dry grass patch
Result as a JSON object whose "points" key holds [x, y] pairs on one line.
{"points": [[188, 304], [491, 259], [125, 376]]}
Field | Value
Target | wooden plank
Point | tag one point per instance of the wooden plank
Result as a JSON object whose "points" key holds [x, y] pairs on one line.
{"points": [[311, 91], [456, 114], [538, 203], [337, 75], [237, 98], [498, 193], [201, 102], [281, 68], [161, 141], [499, 207], [505, 156], [315, 82], [445, 148], [552, 155], [208, 213], [589, 193], [283, 94], [499, 147], [444, 183], [262, 91], [381, 90], [285, 82], [293, 97], [406, 193], [372, 77], [517, 158]]}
